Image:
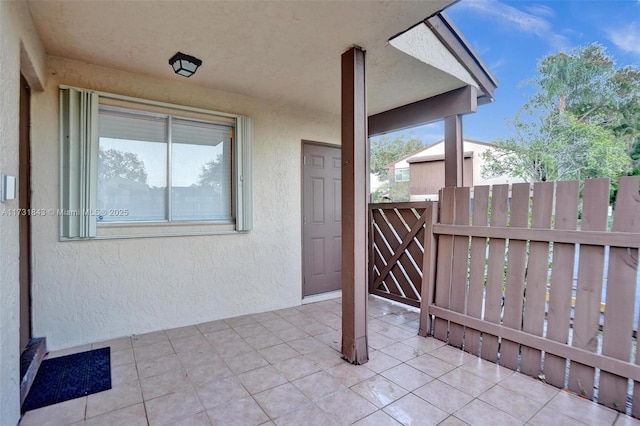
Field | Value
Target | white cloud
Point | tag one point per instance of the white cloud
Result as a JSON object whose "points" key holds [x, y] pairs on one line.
{"points": [[528, 23], [626, 38], [541, 10]]}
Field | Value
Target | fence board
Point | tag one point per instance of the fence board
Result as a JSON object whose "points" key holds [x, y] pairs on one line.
{"points": [[495, 271], [517, 263], [477, 268], [443, 267], [428, 271], [561, 281], [537, 276], [586, 322], [620, 293], [459, 266]]}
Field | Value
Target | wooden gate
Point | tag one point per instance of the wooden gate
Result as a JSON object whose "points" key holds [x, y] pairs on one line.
{"points": [[540, 285], [396, 249]]}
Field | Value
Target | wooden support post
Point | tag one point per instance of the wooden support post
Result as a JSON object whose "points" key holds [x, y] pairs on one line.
{"points": [[453, 151], [355, 172]]}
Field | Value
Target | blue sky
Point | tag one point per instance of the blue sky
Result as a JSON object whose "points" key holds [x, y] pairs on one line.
{"points": [[512, 36]]}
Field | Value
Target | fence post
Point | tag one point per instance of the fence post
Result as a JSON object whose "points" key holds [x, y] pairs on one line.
{"points": [[428, 269]]}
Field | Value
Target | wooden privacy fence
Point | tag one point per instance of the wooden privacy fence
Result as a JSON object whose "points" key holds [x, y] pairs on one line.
{"points": [[502, 286], [396, 250]]}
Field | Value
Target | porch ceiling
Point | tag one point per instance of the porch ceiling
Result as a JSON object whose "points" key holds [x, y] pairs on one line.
{"points": [[282, 51]]}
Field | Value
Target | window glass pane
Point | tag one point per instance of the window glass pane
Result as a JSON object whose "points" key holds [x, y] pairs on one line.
{"points": [[402, 175], [132, 166], [200, 171]]}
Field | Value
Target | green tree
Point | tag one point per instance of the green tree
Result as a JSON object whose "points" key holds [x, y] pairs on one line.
{"points": [[384, 151], [211, 173], [115, 163], [582, 122]]}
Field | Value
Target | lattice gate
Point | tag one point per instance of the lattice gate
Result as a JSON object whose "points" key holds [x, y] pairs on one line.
{"points": [[396, 250]]}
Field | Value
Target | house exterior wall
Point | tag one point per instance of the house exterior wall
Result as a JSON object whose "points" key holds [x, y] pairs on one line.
{"points": [[428, 178], [86, 291], [19, 48]]}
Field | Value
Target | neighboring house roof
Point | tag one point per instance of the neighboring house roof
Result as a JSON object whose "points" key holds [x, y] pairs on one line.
{"points": [[429, 158], [424, 152]]}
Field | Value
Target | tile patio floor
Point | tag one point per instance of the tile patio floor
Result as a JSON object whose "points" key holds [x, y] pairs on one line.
{"points": [[284, 368]]}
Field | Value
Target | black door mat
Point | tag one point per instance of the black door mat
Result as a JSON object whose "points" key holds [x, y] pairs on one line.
{"points": [[68, 377]]}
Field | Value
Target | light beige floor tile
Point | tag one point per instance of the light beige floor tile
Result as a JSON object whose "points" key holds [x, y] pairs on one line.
{"points": [[160, 365], [134, 415], [241, 320], [529, 387], [332, 339], [379, 361], [624, 420], [289, 334], [452, 355], [296, 368], [148, 338], [212, 326], [379, 391], [122, 357], [487, 370], [281, 400], [407, 377], [453, 421], [550, 417], [198, 419], [163, 384], [346, 406], [169, 408], [180, 332], [379, 418], [263, 340], [326, 357], [395, 333], [153, 350], [424, 344], [443, 396], [232, 349], [431, 365], [246, 361], [377, 341], [205, 355], [482, 414], [223, 336], [466, 382], [306, 345], [411, 410], [513, 403], [239, 412], [220, 392], [249, 330], [287, 312], [278, 353], [121, 374], [319, 385], [208, 372], [265, 316], [115, 398], [315, 328], [582, 409], [261, 379], [308, 415], [61, 414], [193, 343], [119, 344], [400, 351], [350, 374]]}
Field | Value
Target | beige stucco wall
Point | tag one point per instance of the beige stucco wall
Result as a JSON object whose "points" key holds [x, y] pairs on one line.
{"points": [[87, 291], [16, 30]]}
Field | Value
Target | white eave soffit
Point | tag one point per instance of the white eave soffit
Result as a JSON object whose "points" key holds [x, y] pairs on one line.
{"points": [[422, 44]]}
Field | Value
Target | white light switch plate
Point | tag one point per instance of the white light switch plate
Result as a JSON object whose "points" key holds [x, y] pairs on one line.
{"points": [[8, 188]]}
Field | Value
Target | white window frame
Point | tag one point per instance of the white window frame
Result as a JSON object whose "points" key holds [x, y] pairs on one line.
{"points": [[401, 170], [79, 167]]}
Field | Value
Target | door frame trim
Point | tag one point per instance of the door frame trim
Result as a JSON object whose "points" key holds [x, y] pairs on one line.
{"points": [[310, 298]]}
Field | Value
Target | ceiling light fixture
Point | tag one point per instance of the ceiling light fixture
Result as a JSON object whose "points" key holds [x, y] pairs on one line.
{"points": [[184, 65]]}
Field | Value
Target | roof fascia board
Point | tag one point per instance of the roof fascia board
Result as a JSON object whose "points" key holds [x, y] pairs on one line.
{"points": [[458, 101], [449, 35]]}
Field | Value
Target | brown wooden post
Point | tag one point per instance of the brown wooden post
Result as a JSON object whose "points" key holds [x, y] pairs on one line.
{"points": [[453, 151], [355, 191]]}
